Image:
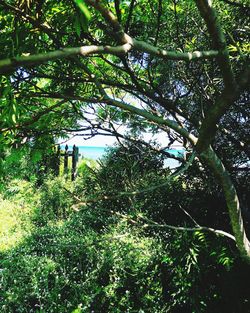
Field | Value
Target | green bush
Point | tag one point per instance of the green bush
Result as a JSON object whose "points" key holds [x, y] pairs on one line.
{"points": [[56, 200], [85, 183], [113, 255], [18, 164], [65, 266], [17, 205]]}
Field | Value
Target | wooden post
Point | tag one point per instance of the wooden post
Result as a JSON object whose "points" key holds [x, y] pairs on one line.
{"points": [[66, 160], [73, 163], [57, 161], [77, 154]]}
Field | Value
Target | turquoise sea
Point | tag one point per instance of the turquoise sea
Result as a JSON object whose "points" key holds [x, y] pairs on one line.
{"points": [[89, 151], [95, 153]]}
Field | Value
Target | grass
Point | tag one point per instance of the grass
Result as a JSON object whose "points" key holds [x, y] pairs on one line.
{"points": [[16, 214], [71, 264]]}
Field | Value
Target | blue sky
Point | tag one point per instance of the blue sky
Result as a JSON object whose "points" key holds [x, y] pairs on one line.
{"points": [[103, 141], [97, 141]]}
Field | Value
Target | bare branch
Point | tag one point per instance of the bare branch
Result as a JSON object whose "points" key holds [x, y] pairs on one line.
{"points": [[151, 223]]}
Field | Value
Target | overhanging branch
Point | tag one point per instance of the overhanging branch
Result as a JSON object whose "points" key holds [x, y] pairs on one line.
{"points": [[10, 64]]}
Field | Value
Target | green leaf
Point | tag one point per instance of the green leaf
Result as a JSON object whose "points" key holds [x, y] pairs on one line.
{"points": [[13, 118], [77, 26], [78, 310], [82, 6]]}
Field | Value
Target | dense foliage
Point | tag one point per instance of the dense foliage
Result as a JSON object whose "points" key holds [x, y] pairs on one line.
{"points": [[116, 254]]}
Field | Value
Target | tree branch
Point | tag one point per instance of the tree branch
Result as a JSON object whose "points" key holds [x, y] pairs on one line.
{"points": [[10, 64], [127, 107], [44, 27], [151, 223], [215, 30], [34, 118], [237, 4], [225, 100], [131, 8]]}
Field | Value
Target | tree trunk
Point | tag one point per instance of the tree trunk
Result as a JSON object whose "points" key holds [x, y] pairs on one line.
{"points": [[217, 167]]}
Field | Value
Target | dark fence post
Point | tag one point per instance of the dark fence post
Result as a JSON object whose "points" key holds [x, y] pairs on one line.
{"points": [[66, 160], [57, 161], [75, 153]]}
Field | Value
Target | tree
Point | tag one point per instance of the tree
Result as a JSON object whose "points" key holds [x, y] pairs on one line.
{"points": [[181, 67]]}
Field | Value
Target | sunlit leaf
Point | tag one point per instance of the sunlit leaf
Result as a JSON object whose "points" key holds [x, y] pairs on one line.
{"points": [[82, 6]]}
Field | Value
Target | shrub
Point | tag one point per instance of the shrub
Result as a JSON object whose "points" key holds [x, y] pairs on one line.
{"points": [[55, 200], [69, 265], [17, 204], [112, 256]]}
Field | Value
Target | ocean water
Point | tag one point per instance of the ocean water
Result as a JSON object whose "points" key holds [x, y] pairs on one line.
{"points": [[96, 153], [89, 152]]}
